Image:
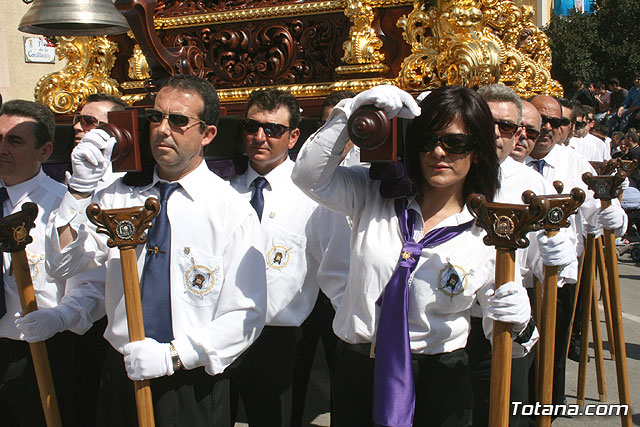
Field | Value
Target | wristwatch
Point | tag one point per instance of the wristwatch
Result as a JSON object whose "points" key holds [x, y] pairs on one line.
{"points": [[175, 358]]}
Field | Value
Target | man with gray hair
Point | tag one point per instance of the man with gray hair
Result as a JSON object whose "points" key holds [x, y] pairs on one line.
{"points": [[506, 109]]}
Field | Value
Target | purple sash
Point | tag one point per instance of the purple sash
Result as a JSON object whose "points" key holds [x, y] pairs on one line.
{"points": [[394, 395]]}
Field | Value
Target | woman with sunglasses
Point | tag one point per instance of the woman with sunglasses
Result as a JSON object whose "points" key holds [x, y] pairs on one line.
{"points": [[412, 300]]}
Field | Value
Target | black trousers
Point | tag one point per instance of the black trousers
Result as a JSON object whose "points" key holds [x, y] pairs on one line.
{"points": [[564, 309], [479, 350], [443, 390], [20, 404], [263, 377], [188, 398], [318, 326]]}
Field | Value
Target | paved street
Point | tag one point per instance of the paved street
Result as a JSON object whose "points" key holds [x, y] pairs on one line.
{"points": [[317, 411]]}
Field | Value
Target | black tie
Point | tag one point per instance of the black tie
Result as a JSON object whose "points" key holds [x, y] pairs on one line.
{"points": [[538, 165], [257, 200], [156, 273], [3, 306]]}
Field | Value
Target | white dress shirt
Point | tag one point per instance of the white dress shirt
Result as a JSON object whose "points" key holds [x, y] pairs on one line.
{"points": [[47, 194], [213, 232], [592, 148], [438, 313], [291, 288]]}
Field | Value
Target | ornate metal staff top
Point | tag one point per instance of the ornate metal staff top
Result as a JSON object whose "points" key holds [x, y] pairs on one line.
{"points": [[15, 228], [507, 224], [126, 226], [561, 207]]}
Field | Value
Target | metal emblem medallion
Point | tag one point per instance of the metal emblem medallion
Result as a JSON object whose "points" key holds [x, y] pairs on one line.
{"points": [[555, 215], [503, 226], [20, 234], [125, 230], [601, 190], [278, 256]]}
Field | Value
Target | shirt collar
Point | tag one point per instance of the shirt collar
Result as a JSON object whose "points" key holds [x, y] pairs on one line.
{"points": [[18, 192], [551, 159], [192, 183], [278, 175]]}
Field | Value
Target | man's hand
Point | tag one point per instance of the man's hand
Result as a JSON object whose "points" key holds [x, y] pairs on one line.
{"points": [[147, 359], [90, 160]]}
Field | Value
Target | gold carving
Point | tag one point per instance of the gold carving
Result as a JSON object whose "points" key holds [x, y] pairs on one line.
{"points": [[310, 8], [90, 60], [361, 51], [138, 67], [475, 43], [448, 46]]}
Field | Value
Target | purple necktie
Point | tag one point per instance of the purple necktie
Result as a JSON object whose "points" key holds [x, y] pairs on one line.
{"points": [[393, 388]]}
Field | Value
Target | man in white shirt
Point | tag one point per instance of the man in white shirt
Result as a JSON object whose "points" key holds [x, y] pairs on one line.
{"points": [[592, 148], [557, 162], [270, 130], [515, 178], [26, 135], [202, 285]]}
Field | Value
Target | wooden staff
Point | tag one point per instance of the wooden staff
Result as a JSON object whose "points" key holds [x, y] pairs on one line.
{"points": [[125, 228], [506, 226], [606, 188], [14, 237], [603, 275], [561, 207]]}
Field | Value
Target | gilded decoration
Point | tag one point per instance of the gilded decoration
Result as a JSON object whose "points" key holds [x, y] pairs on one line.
{"points": [[475, 43], [448, 47], [138, 66], [362, 49], [90, 60]]}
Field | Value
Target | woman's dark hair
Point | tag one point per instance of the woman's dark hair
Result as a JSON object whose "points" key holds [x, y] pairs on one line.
{"points": [[439, 109]]}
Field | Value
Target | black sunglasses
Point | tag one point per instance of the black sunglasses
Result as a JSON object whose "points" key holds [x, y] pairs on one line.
{"points": [[580, 125], [531, 132], [454, 143], [175, 120], [555, 122], [507, 128], [86, 120], [272, 130], [565, 121]]}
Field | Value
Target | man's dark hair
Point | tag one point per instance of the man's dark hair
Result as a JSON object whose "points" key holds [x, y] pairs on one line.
{"points": [[117, 103], [273, 99], [614, 81], [590, 110], [439, 109], [579, 110], [566, 103], [210, 114], [600, 85], [619, 134], [333, 99], [632, 136], [45, 122]]}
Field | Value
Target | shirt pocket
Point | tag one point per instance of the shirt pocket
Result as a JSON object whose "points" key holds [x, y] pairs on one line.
{"points": [[201, 277], [285, 255]]}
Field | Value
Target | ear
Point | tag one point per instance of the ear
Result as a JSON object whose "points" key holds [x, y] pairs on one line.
{"points": [[293, 137], [208, 134], [45, 151]]}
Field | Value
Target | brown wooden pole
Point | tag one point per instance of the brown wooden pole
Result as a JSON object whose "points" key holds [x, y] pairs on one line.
{"points": [[575, 295], [616, 314], [537, 288], [133, 303], [597, 345], [499, 399], [604, 292], [588, 277], [38, 349], [547, 338]]}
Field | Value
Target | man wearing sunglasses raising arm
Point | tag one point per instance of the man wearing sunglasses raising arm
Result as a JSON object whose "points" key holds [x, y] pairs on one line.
{"points": [[270, 130], [202, 269]]}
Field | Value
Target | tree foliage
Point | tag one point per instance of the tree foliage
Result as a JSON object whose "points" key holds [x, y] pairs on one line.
{"points": [[596, 47]]}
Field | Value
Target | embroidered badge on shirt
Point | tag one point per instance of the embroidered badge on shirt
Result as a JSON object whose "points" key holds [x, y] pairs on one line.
{"points": [[453, 279], [33, 260], [278, 257], [199, 279]]}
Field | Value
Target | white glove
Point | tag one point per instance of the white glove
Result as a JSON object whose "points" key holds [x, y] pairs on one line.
{"points": [[147, 359], [42, 324], [612, 217], [625, 184], [422, 96], [510, 304], [392, 100], [557, 250], [90, 160]]}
